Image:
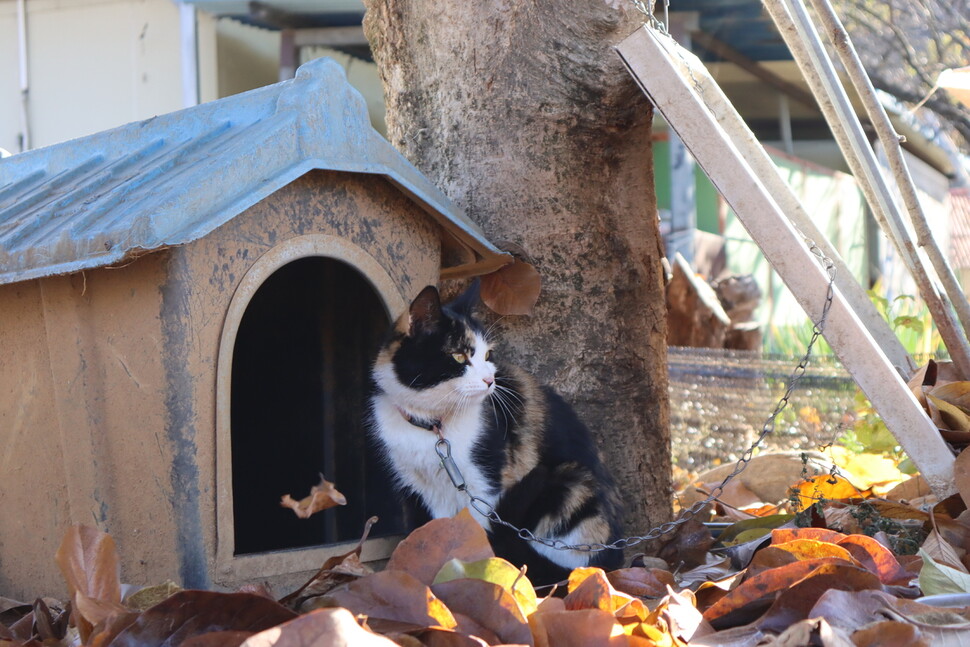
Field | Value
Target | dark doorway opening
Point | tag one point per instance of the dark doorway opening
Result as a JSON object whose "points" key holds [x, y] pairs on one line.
{"points": [[300, 375]]}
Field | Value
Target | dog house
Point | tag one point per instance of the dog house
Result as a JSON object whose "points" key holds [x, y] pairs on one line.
{"points": [[188, 309]]}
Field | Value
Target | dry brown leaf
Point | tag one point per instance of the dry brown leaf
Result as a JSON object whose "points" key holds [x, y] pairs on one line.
{"points": [[914, 488], [512, 289], [641, 582], [942, 551], [322, 497], [489, 605], [427, 549], [584, 628], [322, 628], [89, 563], [191, 613], [956, 393], [889, 633], [877, 558], [218, 639], [337, 570], [396, 596]]}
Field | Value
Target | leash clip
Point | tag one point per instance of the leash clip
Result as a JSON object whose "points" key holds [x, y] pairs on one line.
{"points": [[443, 448]]}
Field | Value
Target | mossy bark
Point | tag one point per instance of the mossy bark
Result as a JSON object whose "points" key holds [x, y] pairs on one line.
{"points": [[523, 115]]}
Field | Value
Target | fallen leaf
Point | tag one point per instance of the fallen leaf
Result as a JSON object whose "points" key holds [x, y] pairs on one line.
{"points": [[585, 628], [337, 570], [497, 571], [151, 595], [489, 604], [218, 639], [938, 578], [889, 633], [321, 628], [89, 563], [322, 497], [947, 416], [512, 289], [877, 558], [393, 595], [782, 535], [765, 584], [796, 602], [942, 551], [824, 487], [812, 549], [427, 549], [642, 582], [190, 613]]}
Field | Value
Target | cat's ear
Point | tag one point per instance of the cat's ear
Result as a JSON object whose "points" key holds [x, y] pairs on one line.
{"points": [[425, 311], [466, 302]]}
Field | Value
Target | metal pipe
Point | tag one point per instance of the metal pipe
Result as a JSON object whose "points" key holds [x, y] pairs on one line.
{"points": [[188, 42], [806, 48], [891, 144], [24, 76]]}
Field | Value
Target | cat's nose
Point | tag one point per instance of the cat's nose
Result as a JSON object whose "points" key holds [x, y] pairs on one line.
{"points": [[488, 380]]}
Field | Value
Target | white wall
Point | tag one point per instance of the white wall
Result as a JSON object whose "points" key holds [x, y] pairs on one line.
{"points": [[93, 65]]}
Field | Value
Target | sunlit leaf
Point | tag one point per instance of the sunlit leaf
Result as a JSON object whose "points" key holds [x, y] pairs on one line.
{"points": [[938, 578], [795, 602], [512, 289], [590, 589], [813, 549], [730, 535], [765, 584], [497, 571], [89, 563], [946, 415], [322, 628], [877, 558], [824, 486], [393, 595], [942, 551], [488, 604], [322, 497], [427, 549], [585, 628], [955, 393], [782, 535]]}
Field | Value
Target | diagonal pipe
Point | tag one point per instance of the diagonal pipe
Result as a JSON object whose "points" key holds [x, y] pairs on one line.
{"points": [[805, 45]]}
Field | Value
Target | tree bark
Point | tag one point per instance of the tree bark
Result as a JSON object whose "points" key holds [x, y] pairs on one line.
{"points": [[523, 115]]}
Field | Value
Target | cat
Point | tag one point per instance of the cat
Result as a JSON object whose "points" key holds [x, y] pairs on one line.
{"points": [[518, 445]]}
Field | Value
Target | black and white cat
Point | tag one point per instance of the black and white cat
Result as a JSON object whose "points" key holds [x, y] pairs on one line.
{"points": [[518, 445]]}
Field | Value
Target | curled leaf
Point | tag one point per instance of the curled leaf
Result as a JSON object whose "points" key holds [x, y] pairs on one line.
{"points": [[512, 289], [322, 497], [427, 549]]}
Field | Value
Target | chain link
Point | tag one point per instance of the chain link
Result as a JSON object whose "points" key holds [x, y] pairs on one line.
{"points": [[484, 508]]}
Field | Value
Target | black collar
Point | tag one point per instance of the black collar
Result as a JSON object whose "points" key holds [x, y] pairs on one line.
{"points": [[431, 424]]}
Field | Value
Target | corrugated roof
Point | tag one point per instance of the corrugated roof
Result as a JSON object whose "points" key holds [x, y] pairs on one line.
{"points": [[960, 228], [173, 179]]}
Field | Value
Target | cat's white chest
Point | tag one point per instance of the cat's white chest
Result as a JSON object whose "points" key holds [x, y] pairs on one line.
{"points": [[416, 465]]}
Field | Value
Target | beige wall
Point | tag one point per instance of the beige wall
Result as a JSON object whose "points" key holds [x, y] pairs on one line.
{"points": [[97, 64], [94, 65]]}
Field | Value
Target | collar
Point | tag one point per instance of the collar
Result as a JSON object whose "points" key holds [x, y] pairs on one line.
{"points": [[431, 424]]}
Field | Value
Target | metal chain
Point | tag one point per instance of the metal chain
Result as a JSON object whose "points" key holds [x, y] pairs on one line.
{"points": [[484, 508]]}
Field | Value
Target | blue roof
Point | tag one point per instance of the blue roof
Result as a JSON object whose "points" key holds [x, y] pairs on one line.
{"points": [[173, 179]]}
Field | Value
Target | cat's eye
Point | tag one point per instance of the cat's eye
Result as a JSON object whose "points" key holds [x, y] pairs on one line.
{"points": [[488, 354], [461, 358]]}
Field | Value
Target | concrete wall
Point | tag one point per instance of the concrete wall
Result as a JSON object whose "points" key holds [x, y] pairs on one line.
{"points": [[109, 414]]}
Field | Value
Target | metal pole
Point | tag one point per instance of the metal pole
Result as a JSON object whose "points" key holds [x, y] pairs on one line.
{"points": [[806, 48], [891, 144], [24, 75]]}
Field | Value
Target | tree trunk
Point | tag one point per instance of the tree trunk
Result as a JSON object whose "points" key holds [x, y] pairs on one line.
{"points": [[523, 115]]}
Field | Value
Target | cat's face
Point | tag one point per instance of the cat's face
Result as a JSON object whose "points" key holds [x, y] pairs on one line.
{"points": [[438, 361]]}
